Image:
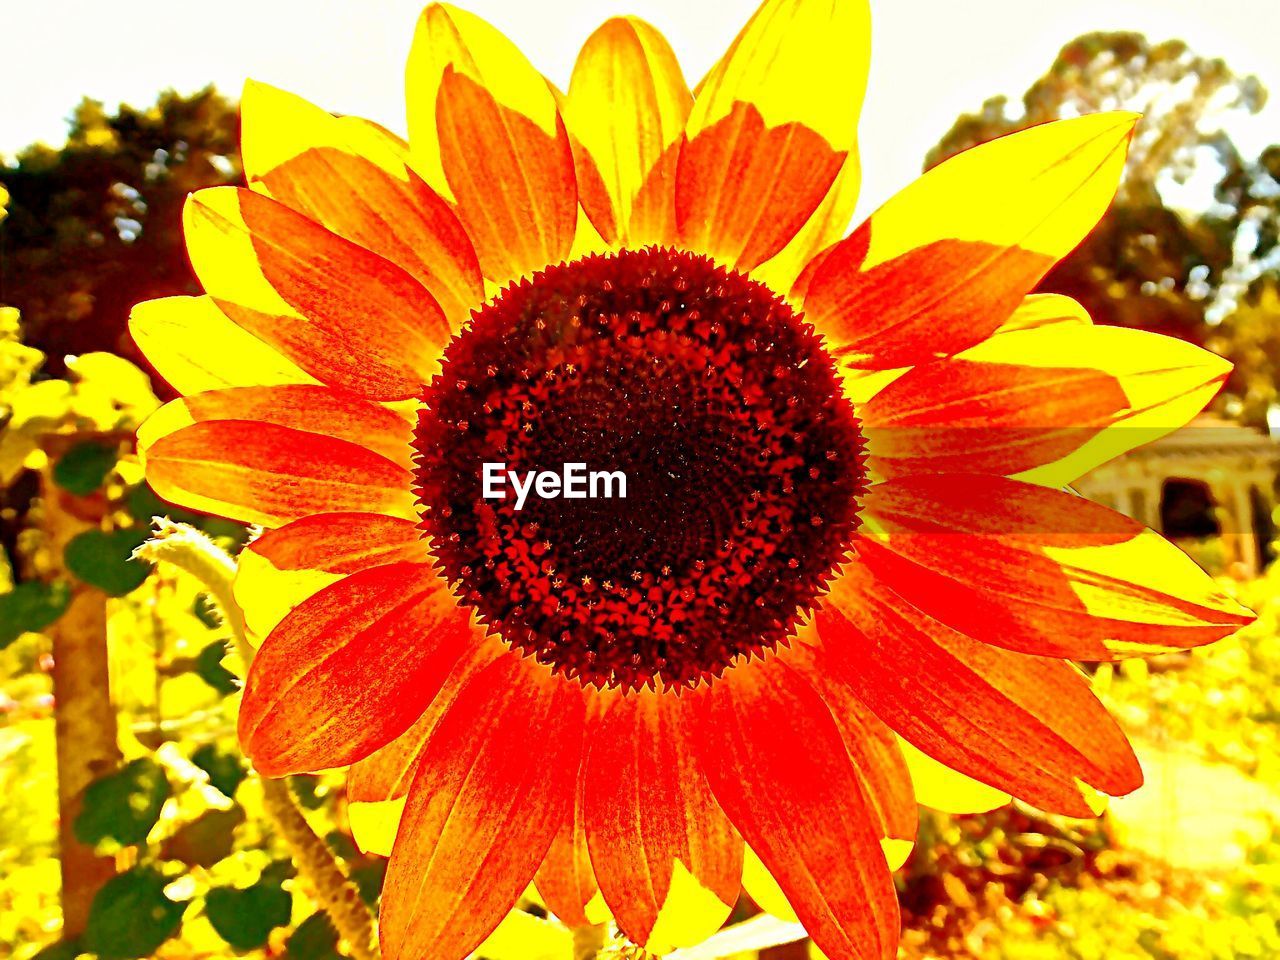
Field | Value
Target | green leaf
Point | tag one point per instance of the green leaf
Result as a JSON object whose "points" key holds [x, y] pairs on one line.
{"points": [[209, 668], [307, 789], [225, 770], [206, 839], [131, 916], [104, 559], [245, 917], [314, 939], [123, 806], [206, 611], [84, 467], [60, 950], [31, 606]]}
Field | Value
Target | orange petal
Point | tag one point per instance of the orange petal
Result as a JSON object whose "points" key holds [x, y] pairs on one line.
{"points": [[194, 346], [483, 809], [300, 406], [626, 111], [945, 262], [1029, 725], [342, 313], [831, 221], [871, 745], [651, 817], [268, 474], [970, 416], [351, 180], [513, 181], [566, 881], [770, 128], [1039, 570], [1164, 383], [350, 669], [387, 773], [1057, 398], [485, 129], [284, 567], [777, 764]]}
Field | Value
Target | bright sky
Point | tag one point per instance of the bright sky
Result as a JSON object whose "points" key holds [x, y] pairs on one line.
{"points": [[932, 59]]}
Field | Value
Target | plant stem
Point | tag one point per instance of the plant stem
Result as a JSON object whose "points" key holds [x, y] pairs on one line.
{"points": [[193, 551], [336, 893]]}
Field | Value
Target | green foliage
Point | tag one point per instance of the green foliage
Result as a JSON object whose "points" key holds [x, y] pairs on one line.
{"points": [[84, 468], [314, 939], [226, 770], [205, 840], [131, 916], [104, 559], [245, 917], [31, 607], [125, 805], [209, 668]]}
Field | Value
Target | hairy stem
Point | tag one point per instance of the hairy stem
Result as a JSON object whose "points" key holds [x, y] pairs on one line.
{"points": [[193, 551], [336, 893]]}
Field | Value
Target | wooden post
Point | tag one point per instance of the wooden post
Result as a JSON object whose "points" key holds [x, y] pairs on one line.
{"points": [[84, 717]]}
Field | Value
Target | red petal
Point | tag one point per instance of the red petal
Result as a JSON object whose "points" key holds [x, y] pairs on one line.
{"points": [[494, 783], [347, 179], [778, 766], [877, 759], [1029, 725], [965, 416], [350, 669], [649, 806], [308, 407], [735, 170]]}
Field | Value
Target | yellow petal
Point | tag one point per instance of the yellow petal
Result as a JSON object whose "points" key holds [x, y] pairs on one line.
{"points": [[1041, 190], [194, 346], [771, 127], [938, 786], [374, 824], [447, 36], [626, 108], [1167, 382], [689, 915]]}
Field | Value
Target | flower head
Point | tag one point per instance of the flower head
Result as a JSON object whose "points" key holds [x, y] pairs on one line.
{"points": [[845, 575]]}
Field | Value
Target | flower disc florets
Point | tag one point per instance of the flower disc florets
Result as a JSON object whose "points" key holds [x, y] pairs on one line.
{"points": [[742, 462]]}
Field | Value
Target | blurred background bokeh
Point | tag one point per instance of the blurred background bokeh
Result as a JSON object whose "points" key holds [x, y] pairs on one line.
{"points": [[131, 825]]}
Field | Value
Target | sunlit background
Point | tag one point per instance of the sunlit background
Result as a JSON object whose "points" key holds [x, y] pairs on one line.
{"points": [[131, 825], [931, 59]]}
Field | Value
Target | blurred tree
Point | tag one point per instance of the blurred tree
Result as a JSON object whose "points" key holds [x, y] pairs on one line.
{"points": [[95, 226], [1152, 263]]}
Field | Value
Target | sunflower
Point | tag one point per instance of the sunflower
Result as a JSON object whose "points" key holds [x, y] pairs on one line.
{"points": [[847, 574]]}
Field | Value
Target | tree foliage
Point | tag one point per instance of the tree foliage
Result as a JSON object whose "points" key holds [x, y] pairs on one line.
{"points": [[1163, 258], [94, 226]]}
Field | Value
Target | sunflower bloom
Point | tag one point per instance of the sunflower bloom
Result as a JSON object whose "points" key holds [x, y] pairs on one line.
{"points": [[845, 576]]}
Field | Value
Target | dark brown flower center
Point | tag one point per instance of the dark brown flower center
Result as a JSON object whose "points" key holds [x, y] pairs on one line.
{"points": [[742, 462]]}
